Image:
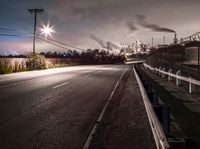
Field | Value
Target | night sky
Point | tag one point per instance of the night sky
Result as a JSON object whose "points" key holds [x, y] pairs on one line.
{"points": [[75, 21]]}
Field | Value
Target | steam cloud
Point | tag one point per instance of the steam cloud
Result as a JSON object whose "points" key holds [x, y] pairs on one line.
{"points": [[103, 44], [142, 21]]}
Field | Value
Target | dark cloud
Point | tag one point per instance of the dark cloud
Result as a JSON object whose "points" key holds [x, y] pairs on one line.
{"points": [[74, 20], [80, 11], [131, 25], [142, 21], [83, 10]]}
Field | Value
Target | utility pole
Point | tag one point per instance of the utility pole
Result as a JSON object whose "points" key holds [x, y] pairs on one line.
{"points": [[35, 12], [164, 40], [152, 42], [108, 46]]}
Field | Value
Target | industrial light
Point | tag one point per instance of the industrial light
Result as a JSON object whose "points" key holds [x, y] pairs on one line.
{"points": [[47, 30]]}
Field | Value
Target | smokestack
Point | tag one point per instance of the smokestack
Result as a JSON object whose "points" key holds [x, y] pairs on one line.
{"points": [[175, 39], [108, 46], [132, 45], [152, 42], [164, 40], [136, 46]]}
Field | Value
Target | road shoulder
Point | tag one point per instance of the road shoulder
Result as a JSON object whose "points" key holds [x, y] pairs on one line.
{"points": [[125, 123]]}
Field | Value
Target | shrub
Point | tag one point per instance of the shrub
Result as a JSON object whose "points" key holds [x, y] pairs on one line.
{"points": [[5, 69], [124, 58], [35, 62]]}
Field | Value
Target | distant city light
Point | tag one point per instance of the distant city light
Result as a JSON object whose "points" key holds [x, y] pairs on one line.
{"points": [[47, 30]]}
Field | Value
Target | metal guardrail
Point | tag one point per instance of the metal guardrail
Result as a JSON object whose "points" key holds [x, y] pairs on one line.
{"points": [[158, 133], [191, 81]]}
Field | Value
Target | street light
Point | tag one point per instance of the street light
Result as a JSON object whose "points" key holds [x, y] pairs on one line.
{"points": [[47, 30]]}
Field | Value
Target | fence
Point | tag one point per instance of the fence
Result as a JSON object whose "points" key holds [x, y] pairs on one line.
{"points": [[161, 71]]}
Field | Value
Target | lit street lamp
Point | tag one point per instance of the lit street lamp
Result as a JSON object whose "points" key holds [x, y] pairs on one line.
{"points": [[47, 30]]}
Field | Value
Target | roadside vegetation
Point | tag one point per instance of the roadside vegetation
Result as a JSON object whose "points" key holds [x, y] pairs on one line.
{"points": [[35, 62], [43, 60]]}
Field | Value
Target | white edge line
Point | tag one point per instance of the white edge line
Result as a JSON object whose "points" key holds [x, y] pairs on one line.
{"points": [[9, 79], [60, 85], [93, 131]]}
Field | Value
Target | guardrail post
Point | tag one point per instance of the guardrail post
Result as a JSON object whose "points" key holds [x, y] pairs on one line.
{"points": [[155, 97], [144, 65], [163, 75], [158, 111], [150, 95], [169, 77], [192, 87], [146, 86], [166, 119], [159, 73], [178, 81], [155, 71]]}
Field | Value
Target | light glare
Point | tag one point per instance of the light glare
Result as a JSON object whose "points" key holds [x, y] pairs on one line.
{"points": [[47, 30]]}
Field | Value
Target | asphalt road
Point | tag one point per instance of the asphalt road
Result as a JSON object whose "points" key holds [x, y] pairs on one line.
{"points": [[53, 108]]}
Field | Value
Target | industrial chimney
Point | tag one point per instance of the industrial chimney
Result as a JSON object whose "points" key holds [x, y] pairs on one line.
{"points": [[108, 46], [164, 40], [175, 39]]}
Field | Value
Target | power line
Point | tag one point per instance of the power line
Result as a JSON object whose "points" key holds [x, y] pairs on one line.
{"points": [[5, 29], [53, 43], [62, 43], [8, 35], [15, 35], [18, 34]]}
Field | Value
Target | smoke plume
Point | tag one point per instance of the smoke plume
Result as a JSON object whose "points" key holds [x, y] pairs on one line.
{"points": [[142, 21], [114, 46], [131, 26], [103, 44]]}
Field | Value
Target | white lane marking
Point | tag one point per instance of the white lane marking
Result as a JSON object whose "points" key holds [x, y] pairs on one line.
{"points": [[7, 80], [60, 85], [93, 131]]}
